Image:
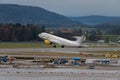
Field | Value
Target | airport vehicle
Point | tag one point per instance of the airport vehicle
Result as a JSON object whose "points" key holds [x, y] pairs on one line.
{"points": [[52, 39]]}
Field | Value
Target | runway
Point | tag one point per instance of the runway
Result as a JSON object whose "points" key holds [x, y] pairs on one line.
{"points": [[64, 50], [58, 74]]}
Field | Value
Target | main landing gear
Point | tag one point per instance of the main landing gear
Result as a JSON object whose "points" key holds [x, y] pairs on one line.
{"points": [[54, 45], [62, 46]]}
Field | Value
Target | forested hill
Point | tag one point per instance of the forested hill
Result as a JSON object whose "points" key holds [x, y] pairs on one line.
{"points": [[96, 19], [10, 13]]}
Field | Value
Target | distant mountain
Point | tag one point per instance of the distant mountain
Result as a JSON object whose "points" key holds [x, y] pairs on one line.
{"points": [[94, 19], [114, 23], [10, 13]]}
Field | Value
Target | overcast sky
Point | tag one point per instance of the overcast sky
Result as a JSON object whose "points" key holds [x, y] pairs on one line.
{"points": [[74, 7]]}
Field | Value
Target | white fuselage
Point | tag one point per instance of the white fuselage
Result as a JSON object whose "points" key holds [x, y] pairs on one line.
{"points": [[59, 40]]}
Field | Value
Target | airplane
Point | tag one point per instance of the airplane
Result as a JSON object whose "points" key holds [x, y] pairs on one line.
{"points": [[52, 39]]}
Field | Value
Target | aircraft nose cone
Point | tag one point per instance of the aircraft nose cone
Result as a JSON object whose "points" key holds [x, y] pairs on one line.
{"points": [[42, 35], [39, 35]]}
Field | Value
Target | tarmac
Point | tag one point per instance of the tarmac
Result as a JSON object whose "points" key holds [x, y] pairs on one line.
{"points": [[58, 74], [63, 50]]}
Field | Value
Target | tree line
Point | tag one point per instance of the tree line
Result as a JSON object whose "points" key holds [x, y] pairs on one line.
{"points": [[18, 32]]}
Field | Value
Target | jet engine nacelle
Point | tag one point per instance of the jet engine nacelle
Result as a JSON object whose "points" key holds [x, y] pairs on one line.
{"points": [[46, 41]]}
